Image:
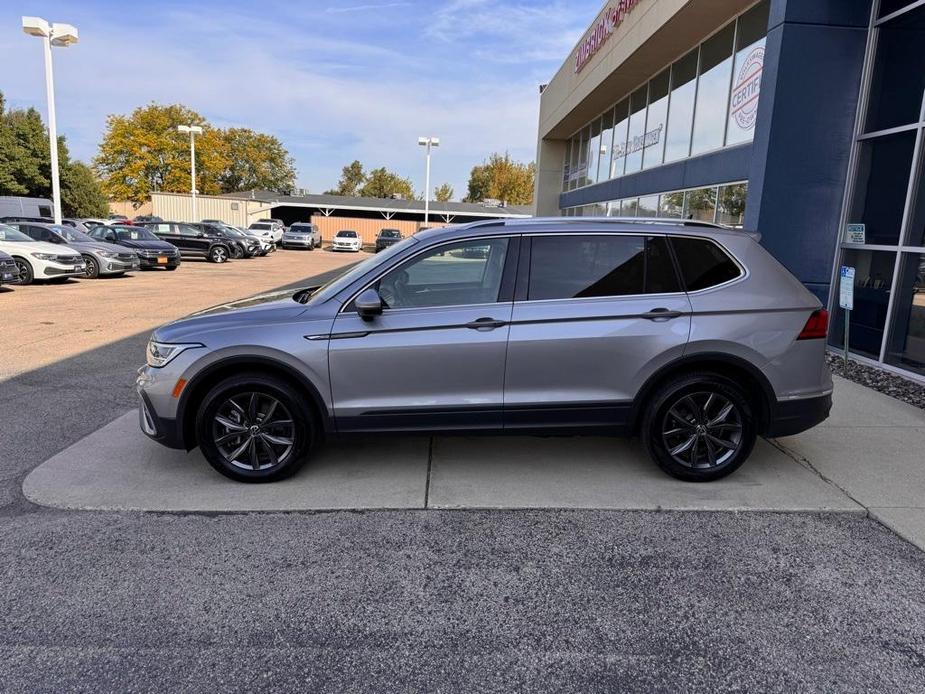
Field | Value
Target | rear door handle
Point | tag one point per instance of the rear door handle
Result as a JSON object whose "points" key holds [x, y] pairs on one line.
{"points": [[486, 324], [661, 314]]}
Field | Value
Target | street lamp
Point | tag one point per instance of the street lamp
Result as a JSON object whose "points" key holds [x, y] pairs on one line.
{"points": [[193, 131], [429, 143], [59, 35]]}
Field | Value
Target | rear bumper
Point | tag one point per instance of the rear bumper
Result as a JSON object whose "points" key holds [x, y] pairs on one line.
{"points": [[791, 417]]}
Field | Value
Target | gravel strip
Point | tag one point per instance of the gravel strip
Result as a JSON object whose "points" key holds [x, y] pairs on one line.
{"points": [[882, 381]]}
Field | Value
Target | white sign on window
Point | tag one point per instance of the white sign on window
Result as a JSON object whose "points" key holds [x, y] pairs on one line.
{"points": [[846, 288], [856, 233]]}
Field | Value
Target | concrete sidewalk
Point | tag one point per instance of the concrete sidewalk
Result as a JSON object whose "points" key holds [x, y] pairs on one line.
{"points": [[872, 448], [869, 455]]}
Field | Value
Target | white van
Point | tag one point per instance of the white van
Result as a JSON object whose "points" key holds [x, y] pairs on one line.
{"points": [[13, 206]]}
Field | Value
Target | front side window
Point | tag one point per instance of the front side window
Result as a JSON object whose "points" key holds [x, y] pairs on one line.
{"points": [[704, 264], [456, 274], [582, 267], [184, 229]]}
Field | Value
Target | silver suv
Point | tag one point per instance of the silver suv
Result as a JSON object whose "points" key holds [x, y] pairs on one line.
{"points": [[690, 335]]}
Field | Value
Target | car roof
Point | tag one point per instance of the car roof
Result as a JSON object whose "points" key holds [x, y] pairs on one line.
{"points": [[584, 225]]}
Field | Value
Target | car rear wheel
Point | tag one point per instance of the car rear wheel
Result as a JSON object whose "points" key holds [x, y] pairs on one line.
{"points": [[93, 267], [218, 254], [699, 427], [255, 428], [26, 276]]}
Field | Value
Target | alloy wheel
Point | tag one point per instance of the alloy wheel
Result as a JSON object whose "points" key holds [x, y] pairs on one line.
{"points": [[702, 430], [25, 271], [219, 255], [253, 431]]}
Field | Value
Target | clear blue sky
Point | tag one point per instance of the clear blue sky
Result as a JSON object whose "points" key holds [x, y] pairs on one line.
{"points": [[335, 81]]}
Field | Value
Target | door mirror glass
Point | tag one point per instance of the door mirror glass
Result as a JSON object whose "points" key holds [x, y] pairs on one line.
{"points": [[368, 304]]}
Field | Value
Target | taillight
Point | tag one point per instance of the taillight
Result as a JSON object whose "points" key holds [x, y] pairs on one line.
{"points": [[817, 327]]}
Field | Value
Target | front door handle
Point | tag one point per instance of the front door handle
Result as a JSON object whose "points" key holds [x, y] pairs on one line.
{"points": [[661, 314], [486, 324]]}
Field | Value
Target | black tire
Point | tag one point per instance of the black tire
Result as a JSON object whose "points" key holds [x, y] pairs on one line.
{"points": [[93, 267], [218, 254], [691, 411], [26, 275], [290, 406]]}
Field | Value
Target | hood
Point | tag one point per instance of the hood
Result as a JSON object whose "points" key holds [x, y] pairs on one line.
{"points": [[146, 244], [88, 246], [265, 308], [27, 247]]}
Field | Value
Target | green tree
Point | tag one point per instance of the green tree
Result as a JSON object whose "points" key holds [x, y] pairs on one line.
{"points": [[81, 193], [352, 178], [502, 178], [142, 153], [443, 193], [381, 183]]}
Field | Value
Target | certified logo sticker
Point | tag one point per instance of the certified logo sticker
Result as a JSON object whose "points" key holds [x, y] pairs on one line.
{"points": [[747, 90]]}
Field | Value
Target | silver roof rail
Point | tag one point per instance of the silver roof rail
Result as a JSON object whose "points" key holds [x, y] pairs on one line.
{"points": [[661, 221]]}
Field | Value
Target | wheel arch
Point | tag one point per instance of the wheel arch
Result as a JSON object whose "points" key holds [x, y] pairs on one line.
{"points": [[741, 371], [199, 386]]}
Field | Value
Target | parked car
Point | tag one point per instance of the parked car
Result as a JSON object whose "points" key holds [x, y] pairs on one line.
{"points": [[386, 238], [100, 258], [8, 271], [118, 218], [274, 230], [302, 235], [689, 334], [152, 252], [347, 240], [242, 245], [144, 218], [192, 241], [16, 206], [257, 247], [39, 260], [93, 222], [266, 239]]}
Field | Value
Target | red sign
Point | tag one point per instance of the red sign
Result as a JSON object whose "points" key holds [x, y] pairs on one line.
{"points": [[611, 20]]}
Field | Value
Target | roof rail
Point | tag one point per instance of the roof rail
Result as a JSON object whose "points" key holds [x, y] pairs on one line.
{"points": [[661, 221]]}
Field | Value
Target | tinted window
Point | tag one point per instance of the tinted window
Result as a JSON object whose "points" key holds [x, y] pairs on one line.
{"points": [[185, 229], [703, 263], [452, 275], [44, 211], [577, 267]]}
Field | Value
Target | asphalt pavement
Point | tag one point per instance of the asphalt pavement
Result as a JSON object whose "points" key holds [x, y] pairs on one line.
{"points": [[429, 600]]}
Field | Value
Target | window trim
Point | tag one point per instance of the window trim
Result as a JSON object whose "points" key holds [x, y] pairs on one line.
{"points": [[345, 308]]}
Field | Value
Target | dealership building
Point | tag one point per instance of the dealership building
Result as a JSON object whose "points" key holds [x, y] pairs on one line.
{"points": [[802, 119]]}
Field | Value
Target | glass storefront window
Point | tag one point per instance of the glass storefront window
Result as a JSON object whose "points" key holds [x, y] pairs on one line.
{"points": [[907, 341], [630, 207], [583, 156], [654, 150], [730, 209], [713, 91], [873, 278], [594, 151], [648, 206], [746, 75], [637, 130], [606, 146], [884, 165], [621, 115], [700, 204], [567, 169], [573, 164], [898, 78], [681, 107], [671, 205], [888, 7]]}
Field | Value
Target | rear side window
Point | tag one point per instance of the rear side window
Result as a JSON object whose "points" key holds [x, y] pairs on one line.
{"points": [[703, 263], [580, 267]]}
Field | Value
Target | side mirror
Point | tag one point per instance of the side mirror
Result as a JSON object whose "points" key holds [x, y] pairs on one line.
{"points": [[369, 304]]}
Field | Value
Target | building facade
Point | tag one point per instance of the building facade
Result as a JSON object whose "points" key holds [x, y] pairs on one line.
{"points": [[803, 120]]}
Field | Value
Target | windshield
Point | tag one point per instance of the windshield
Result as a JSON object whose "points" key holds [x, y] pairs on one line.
{"points": [[71, 235], [326, 291], [11, 234], [390, 233], [347, 234], [134, 234], [259, 226], [301, 228]]}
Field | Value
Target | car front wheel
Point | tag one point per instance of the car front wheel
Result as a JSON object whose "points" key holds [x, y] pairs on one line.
{"points": [[93, 267], [26, 275], [699, 427], [255, 428], [218, 254]]}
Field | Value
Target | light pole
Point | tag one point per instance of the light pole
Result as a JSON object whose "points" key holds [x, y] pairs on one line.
{"points": [[193, 131], [429, 143], [59, 35]]}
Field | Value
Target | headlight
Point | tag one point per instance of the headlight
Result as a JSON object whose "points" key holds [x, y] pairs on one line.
{"points": [[160, 354], [107, 254], [45, 256]]}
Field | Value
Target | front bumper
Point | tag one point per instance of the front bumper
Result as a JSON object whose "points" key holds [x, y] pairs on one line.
{"points": [[302, 243], [153, 261], [66, 270], [165, 431], [112, 266], [345, 247], [791, 417]]}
